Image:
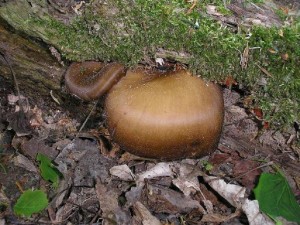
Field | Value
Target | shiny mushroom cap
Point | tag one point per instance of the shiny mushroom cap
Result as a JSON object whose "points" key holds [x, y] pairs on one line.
{"points": [[170, 115], [90, 80]]}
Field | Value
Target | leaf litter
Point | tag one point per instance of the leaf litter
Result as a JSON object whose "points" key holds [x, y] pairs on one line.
{"points": [[98, 186]]}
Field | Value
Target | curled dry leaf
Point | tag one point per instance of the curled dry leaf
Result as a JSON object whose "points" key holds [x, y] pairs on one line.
{"points": [[253, 214], [187, 181], [108, 199], [165, 200], [123, 172], [36, 119], [234, 194], [159, 170], [143, 215], [218, 218], [160, 61], [19, 122], [23, 162]]}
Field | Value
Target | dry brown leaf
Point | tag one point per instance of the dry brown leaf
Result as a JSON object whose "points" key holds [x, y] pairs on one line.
{"points": [[143, 215], [123, 172], [187, 181], [34, 145], [23, 162], [218, 218], [246, 173], [165, 200], [112, 213]]}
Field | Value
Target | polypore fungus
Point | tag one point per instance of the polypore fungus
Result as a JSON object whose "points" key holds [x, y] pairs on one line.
{"points": [[169, 115], [90, 80]]}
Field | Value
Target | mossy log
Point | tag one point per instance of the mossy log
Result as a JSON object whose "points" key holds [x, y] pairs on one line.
{"points": [[37, 71]]}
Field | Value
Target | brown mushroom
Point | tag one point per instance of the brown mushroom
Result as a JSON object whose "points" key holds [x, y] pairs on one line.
{"points": [[169, 115], [89, 80]]}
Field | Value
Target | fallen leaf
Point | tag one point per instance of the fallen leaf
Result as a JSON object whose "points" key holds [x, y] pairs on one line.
{"points": [[143, 215], [255, 217], [218, 218], [108, 199], [165, 200], [159, 61], [229, 81], [48, 171], [280, 32], [246, 173], [19, 122], [123, 172], [31, 202], [271, 50], [266, 125], [79, 198], [34, 146], [159, 170], [187, 181], [23, 162], [285, 10], [219, 158], [36, 119], [276, 198], [234, 194], [258, 113], [133, 195]]}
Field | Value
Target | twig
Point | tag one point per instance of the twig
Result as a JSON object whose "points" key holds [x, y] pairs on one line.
{"points": [[258, 167], [54, 98], [87, 118], [15, 81], [13, 73]]}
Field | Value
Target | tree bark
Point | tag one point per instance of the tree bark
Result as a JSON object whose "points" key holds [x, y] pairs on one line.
{"points": [[37, 71]]}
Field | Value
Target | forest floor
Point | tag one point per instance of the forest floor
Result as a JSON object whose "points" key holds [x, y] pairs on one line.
{"points": [[98, 183]]}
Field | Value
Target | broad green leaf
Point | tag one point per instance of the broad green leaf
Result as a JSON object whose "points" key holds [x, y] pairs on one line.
{"points": [[48, 170], [276, 198], [31, 202]]}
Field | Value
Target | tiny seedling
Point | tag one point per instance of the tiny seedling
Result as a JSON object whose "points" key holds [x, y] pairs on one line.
{"points": [[48, 171]]}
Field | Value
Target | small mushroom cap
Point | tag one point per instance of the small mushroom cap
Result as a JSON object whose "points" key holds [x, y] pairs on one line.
{"points": [[90, 80], [165, 116]]}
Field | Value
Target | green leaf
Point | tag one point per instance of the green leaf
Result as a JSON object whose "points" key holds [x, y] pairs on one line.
{"points": [[276, 198], [48, 171], [31, 202]]}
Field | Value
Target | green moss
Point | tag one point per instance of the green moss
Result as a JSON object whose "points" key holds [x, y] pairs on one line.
{"points": [[280, 97], [138, 29]]}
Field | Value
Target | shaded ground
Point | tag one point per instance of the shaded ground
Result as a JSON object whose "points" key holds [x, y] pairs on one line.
{"points": [[94, 191], [89, 193]]}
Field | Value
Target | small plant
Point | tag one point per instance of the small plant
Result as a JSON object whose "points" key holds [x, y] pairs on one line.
{"points": [[48, 171], [207, 165], [276, 198], [31, 201]]}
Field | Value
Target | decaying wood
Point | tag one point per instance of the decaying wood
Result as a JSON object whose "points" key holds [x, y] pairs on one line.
{"points": [[37, 71]]}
